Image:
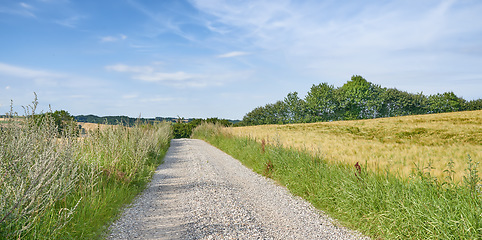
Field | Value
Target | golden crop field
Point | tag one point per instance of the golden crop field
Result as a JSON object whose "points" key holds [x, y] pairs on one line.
{"points": [[93, 126], [394, 144]]}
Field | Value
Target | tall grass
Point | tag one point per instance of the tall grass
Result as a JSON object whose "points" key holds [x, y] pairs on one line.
{"points": [[378, 204], [64, 187]]}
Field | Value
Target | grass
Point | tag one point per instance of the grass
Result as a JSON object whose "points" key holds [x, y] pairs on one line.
{"points": [[378, 204], [397, 144], [65, 187]]}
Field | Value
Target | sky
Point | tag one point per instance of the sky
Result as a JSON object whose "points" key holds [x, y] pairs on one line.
{"points": [[216, 58]]}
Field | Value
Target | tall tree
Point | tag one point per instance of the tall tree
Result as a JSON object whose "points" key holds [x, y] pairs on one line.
{"points": [[321, 103], [296, 107], [446, 102], [360, 99]]}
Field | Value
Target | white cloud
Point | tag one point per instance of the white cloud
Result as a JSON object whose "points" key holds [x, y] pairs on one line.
{"points": [[22, 72], [233, 54], [24, 10], [327, 40], [161, 77], [24, 5], [319, 28], [149, 74], [130, 96], [7, 88], [46, 78], [157, 99], [108, 39], [132, 69], [208, 76], [71, 22], [113, 38]]}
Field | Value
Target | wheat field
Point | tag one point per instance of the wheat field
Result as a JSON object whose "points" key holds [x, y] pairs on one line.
{"points": [[396, 144]]}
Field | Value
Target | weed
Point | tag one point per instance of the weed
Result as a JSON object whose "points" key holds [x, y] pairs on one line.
{"points": [[263, 144], [268, 168], [472, 178]]}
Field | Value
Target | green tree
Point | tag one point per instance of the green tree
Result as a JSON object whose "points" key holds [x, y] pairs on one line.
{"points": [[400, 103], [446, 102], [296, 108], [321, 103], [473, 105], [62, 120], [359, 99]]}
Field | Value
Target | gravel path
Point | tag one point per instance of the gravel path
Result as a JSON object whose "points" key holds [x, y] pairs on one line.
{"points": [[199, 192]]}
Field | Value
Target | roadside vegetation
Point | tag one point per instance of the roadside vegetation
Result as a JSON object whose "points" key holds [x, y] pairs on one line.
{"points": [[57, 185], [381, 204], [183, 128]]}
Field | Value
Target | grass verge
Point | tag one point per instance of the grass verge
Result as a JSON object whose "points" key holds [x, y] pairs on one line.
{"points": [[56, 186], [380, 205]]}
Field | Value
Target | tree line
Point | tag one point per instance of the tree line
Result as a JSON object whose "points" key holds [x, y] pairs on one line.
{"points": [[182, 128], [129, 121], [356, 99], [114, 120]]}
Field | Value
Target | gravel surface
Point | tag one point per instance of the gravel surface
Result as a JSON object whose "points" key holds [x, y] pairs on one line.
{"points": [[199, 192]]}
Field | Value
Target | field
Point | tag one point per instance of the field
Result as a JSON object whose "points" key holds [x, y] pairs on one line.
{"points": [[93, 126], [398, 144]]}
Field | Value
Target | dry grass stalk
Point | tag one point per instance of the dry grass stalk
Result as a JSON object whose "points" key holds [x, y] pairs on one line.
{"points": [[36, 170]]}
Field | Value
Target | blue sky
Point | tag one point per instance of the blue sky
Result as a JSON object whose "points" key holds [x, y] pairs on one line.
{"points": [[215, 58]]}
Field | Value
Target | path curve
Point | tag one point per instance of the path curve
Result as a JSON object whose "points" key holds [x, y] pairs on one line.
{"points": [[199, 192]]}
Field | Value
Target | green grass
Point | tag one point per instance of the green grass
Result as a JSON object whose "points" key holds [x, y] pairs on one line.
{"points": [[380, 205]]}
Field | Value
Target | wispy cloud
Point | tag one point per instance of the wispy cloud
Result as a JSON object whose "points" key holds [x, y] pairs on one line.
{"points": [[130, 96], [22, 72], [47, 78], [113, 38], [25, 5], [22, 9], [157, 99], [162, 77], [180, 79], [165, 22], [70, 22], [315, 26], [130, 69], [151, 74], [233, 54], [333, 39]]}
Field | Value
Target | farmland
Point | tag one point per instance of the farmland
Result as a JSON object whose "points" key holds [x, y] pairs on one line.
{"points": [[396, 144]]}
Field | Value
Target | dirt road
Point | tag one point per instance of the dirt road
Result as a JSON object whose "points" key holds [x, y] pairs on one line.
{"points": [[199, 192]]}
